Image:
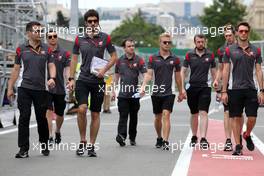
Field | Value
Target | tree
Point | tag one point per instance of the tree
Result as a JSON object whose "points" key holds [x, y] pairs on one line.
{"points": [[220, 13], [61, 20], [143, 33]]}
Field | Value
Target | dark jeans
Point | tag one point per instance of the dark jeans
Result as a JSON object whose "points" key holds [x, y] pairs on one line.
{"points": [[128, 106], [25, 99]]}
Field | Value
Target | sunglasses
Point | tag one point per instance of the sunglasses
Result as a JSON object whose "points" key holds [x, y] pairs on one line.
{"points": [[52, 36], [243, 31], [90, 21], [167, 42]]}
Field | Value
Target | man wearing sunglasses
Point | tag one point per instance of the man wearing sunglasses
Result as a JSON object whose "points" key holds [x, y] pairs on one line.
{"points": [[229, 34], [127, 69], [200, 61], [31, 62], [56, 96], [92, 44], [240, 61], [163, 65]]}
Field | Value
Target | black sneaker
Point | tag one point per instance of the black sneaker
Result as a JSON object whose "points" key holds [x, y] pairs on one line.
{"points": [[133, 142], [193, 141], [159, 142], [204, 144], [250, 144], [51, 141], [121, 140], [238, 150], [57, 138], [91, 152], [82, 147], [45, 149], [228, 145], [165, 145], [22, 154]]}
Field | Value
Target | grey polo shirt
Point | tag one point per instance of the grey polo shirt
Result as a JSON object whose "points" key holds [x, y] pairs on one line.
{"points": [[34, 64], [129, 70], [163, 70], [90, 47]]}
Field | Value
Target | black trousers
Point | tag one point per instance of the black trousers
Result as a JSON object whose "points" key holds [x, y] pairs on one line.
{"points": [[128, 106], [25, 99]]}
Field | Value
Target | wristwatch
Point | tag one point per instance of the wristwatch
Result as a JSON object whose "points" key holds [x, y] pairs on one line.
{"points": [[54, 79], [261, 90]]}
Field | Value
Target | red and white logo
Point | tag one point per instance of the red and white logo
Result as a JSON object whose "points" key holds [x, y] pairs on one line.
{"points": [[100, 43], [206, 59], [42, 52], [135, 64], [171, 62]]}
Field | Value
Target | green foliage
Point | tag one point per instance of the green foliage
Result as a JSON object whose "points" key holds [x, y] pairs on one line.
{"points": [[145, 34], [61, 20]]}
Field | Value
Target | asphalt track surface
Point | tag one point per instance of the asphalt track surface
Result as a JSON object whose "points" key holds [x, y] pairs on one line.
{"points": [[143, 159]]}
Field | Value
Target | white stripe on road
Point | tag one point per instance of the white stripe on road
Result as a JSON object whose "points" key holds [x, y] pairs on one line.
{"points": [[65, 119]]}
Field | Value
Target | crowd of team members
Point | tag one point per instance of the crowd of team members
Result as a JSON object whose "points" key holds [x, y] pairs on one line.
{"points": [[42, 70]]}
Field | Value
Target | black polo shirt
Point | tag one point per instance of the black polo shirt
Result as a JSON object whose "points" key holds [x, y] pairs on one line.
{"points": [[221, 52], [34, 64], [129, 70], [199, 67], [163, 71], [242, 65], [62, 60], [90, 47]]}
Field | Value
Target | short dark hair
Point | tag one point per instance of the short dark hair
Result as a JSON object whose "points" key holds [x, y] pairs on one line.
{"points": [[125, 40], [243, 24], [229, 27], [199, 36], [91, 13], [30, 25], [51, 31]]}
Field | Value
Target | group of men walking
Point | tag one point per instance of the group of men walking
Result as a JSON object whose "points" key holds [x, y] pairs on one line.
{"points": [[42, 70]]}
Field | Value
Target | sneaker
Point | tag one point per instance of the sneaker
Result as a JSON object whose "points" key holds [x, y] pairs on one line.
{"points": [[238, 150], [45, 149], [165, 145], [22, 154], [121, 140], [250, 144], [204, 144], [159, 142], [91, 152], [228, 145], [133, 142], [82, 147], [57, 138], [193, 141], [108, 111], [51, 141]]}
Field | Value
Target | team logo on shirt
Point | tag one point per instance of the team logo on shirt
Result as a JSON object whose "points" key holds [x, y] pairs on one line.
{"points": [[60, 57], [42, 52], [206, 59], [100, 43], [135, 64], [171, 62]]}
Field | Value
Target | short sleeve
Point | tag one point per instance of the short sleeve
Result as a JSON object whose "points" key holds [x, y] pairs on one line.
{"points": [[67, 59], [177, 65], [220, 54], [51, 58], [18, 56], [258, 56], [109, 46], [226, 57], [186, 62], [150, 62], [76, 46], [142, 66], [213, 64]]}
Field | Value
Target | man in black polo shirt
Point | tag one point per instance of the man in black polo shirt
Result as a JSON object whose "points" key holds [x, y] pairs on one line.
{"points": [[163, 65], [128, 68], [56, 96], [240, 60], [200, 61], [92, 44], [32, 60], [229, 34]]}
